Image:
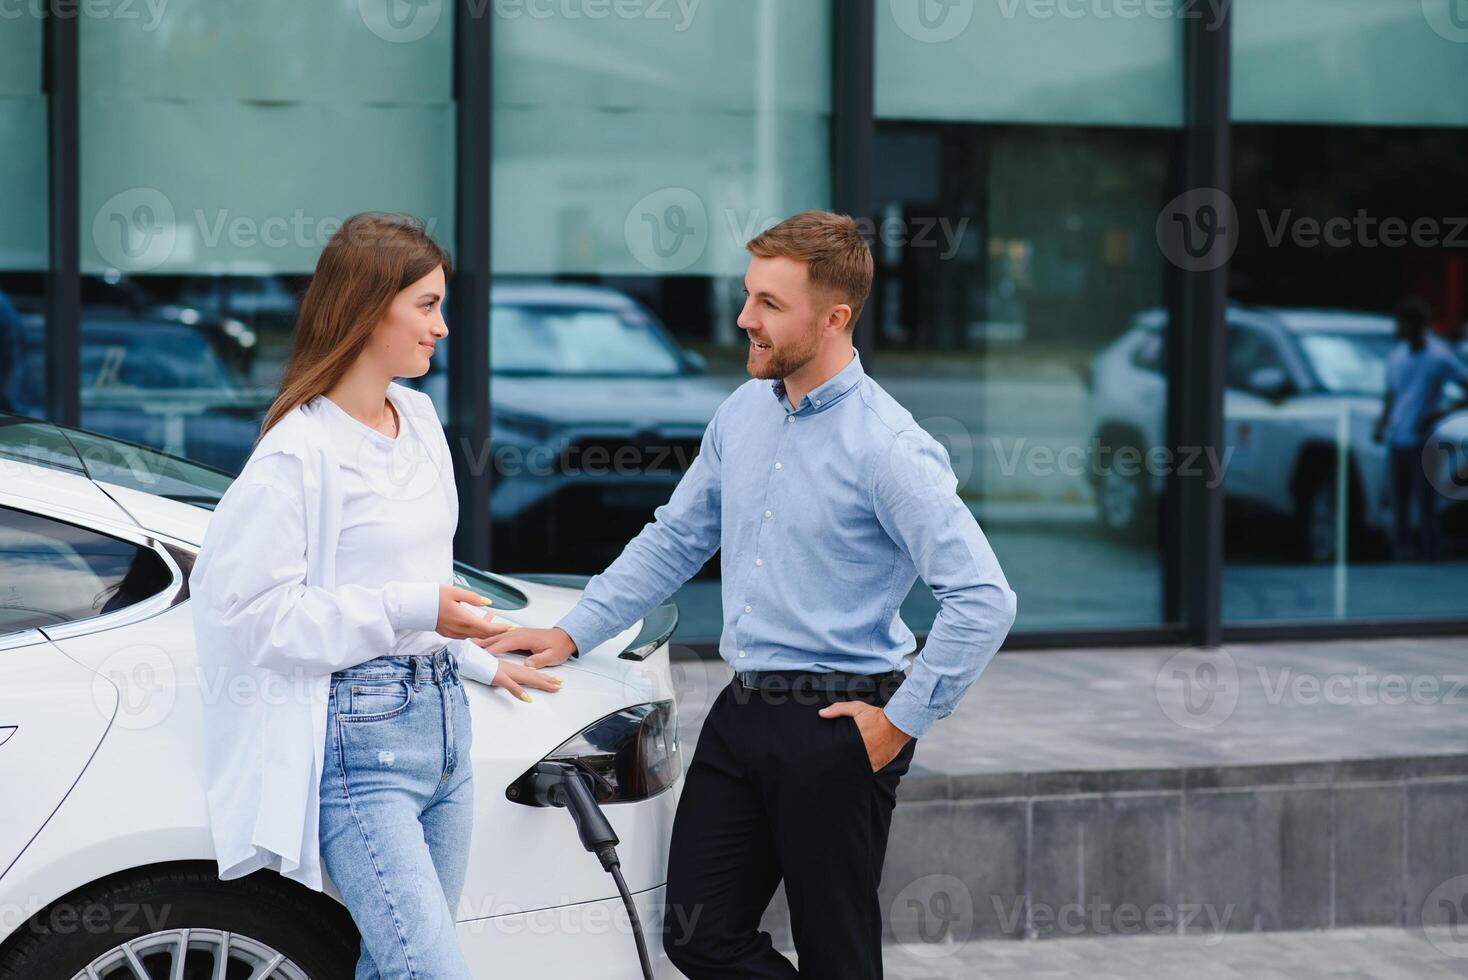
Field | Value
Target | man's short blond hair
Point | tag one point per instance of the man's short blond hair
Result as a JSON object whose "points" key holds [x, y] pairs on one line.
{"points": [[837, 257]]}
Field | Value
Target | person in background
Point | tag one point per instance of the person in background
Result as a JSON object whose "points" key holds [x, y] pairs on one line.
{"points": [[1416, 370]]}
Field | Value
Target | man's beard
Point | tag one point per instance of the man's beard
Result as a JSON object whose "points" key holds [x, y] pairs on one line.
{"points": [[782, 362]]}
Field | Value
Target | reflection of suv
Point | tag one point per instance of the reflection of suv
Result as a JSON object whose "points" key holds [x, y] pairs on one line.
{"points": [[153, 381], [1299, 383], [597, 414]]}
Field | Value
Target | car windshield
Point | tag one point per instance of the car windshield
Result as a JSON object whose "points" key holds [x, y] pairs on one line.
{"points": [[1348, 364], [157, 359], [109, 460], [578, 341]]}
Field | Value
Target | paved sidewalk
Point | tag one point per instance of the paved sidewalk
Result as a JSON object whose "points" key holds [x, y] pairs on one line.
{"points": [[1340, 954], [1168, 707]]}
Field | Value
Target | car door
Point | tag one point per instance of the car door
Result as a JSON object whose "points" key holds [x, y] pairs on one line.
{"points": [[1252, 418], [55, 576]]}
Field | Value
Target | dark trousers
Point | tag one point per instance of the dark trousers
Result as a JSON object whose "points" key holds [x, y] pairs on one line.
{"points": [[776, 792], [1409, 484]]}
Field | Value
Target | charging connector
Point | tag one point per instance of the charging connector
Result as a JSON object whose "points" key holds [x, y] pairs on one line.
{"points": [[563, 785]]}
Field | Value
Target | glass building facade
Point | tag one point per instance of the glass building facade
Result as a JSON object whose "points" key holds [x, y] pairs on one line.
{"points": [[1136, 262]]}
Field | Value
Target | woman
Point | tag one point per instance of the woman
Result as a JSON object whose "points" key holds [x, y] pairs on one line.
{"points": [[338, 733]]}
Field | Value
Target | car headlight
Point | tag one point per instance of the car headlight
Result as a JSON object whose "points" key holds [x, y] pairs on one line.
{"points": [[630, 755]]}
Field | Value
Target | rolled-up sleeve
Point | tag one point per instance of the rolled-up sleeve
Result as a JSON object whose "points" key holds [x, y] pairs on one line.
{"points": [[683, 534], [916, 500], [251, 581]]}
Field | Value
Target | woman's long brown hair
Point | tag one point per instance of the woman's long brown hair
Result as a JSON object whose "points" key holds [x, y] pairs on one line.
{"points": [[372, 257]]}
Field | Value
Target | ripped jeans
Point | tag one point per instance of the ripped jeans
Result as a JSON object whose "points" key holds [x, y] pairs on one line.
{"points": [[397, 803]]}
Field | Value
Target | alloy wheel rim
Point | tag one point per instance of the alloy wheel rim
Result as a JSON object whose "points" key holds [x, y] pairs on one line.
{"points": [[183, 947]]}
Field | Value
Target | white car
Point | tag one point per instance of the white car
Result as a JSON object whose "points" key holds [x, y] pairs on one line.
{"points": [[107, 867], [1299, 384]]}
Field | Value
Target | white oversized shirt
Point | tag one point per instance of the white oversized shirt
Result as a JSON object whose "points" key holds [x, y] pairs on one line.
{"points": [[273, 619]]}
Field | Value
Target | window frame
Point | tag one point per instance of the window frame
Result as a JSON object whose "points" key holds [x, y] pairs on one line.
{"points": [[166, 598]]}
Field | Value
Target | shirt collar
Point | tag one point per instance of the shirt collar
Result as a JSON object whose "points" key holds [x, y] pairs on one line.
{"points": [[827, 394]]}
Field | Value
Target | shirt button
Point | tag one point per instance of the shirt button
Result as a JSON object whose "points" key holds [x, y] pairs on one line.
{"points": [[769, 514], [749, 609], [777, 466], [789, 418], [742, 653], [759, 561], [818, 401]]}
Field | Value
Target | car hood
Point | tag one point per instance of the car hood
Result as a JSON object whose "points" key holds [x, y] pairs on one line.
{"points": [[639, 403]]}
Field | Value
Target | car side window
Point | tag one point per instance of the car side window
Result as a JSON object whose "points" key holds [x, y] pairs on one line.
{"points": [[1248, 351], [52, 572]]}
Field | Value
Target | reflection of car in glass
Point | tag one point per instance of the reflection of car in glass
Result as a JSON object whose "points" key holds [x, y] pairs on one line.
{"points": [[154, 381], [597, 414], [1299, 383], [101, 698]]}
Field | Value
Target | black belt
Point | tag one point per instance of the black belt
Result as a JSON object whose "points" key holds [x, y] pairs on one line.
{"points": [[834, 681]]}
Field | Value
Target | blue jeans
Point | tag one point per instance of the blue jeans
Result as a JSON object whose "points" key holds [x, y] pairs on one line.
{"points": [[397, 805]]}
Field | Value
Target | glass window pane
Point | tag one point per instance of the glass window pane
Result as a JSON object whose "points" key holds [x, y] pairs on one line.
{"points": [[1031, 61], [1017, 310], [1350, 62], [634, 157], [222, 144], [1350, 129]]}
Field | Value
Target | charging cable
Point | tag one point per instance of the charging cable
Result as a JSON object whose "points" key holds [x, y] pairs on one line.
{"points": [[563, 785]]}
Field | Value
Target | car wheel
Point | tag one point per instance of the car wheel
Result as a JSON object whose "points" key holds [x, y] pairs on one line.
{"points": [[1316, 514], [1318, 521], [1123, 502], [182, 921]]}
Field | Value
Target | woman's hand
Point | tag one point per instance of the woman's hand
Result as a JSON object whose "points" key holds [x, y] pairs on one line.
{"points": [[516, 677], [458, 623]]}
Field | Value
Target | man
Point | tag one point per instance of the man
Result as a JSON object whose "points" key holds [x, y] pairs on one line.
{"points": [[1416, 370], [825, 499]]}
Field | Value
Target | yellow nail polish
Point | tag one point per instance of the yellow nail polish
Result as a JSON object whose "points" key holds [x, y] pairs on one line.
{"points": [[524, 696]]}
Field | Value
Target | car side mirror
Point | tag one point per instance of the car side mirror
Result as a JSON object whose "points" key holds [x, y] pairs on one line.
{"points": [[1270, 382]]}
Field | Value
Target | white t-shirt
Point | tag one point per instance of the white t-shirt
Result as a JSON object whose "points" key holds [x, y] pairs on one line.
{"points": [[394, 526]]}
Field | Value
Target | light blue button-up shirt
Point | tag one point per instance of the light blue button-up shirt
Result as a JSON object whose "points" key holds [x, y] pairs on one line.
{"points": [[824, 516]]}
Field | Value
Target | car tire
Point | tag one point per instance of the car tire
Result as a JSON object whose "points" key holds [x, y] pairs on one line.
{"points": [[1316, 508], [148, 914], [1125, 505]]}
